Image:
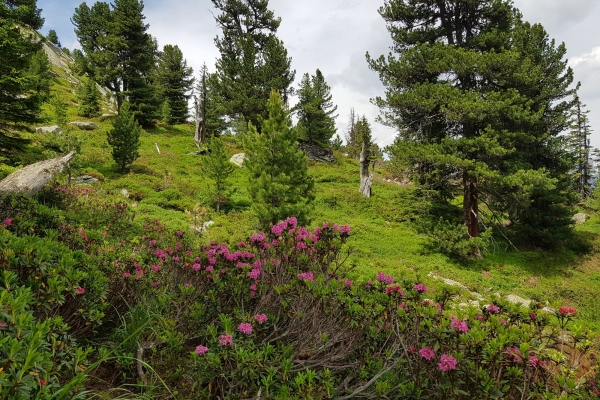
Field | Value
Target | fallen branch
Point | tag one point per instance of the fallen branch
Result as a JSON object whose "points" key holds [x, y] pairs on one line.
{"points": [[139, 357]]}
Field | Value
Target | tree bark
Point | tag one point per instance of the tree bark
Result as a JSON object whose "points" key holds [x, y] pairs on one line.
{"points": [[33, 178], [366, 177], [470, 204]]}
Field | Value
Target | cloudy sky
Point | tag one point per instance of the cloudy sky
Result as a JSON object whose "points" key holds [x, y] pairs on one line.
{"points": [[334, 35]]}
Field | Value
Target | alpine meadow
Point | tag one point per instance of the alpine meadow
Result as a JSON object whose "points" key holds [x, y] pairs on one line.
{"points": [[171, 233]]}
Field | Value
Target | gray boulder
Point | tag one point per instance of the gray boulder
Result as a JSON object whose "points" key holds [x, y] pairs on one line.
{"points": [[84, 180], [238, 159], [86, 126], [580, 218], [49, 129], [316, 152], [125, 193]]}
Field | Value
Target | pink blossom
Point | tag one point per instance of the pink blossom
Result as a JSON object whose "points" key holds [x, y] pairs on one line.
{"points": [[427, 353], [245, 328], [502, 321], [226, 340], [126, 275], [447, 363], [459, 325], [253, 287], [201, 350], [348, 283], [196, 267], [179, 233], [307, 276], [279, 228], [533, 360], [212, 260], [514, 353], [156, 268], [152, 242], [345, 229], [261, 318], [254, 274], [419, 287], [567, 311], [394, 289], [292, 222], [493, 309], [154, 284], [105, 234], [387, 279], [80, 290], [176, 258], [209, 268], [3, 324]]}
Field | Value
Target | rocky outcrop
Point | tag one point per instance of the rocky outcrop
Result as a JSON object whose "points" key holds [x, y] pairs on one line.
{"points": [[33, 178], [316, 152], [85, 126], [84, 180], [238, 159], [49, 129]]}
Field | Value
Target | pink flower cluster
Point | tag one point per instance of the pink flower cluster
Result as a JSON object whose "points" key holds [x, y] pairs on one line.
{"points": [[427, 353], [419, 287], [447, 363], [260, 318], [387, 279], [245, 328], [493, 309], [459, 325], [226, 340], [394, 289], [307, 276], [201, 350], [567, 311]]}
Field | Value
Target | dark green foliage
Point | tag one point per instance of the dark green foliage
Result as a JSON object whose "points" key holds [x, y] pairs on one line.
{"points": [[337, 143], [315, 109], [89, 99], [579, 145], [253, 60], [20, 94], [174, 81], [217, 167], [53, 37], [124, 138], [479, 98], [119, 53], [59, 111], [279, 182], [359, 132]]}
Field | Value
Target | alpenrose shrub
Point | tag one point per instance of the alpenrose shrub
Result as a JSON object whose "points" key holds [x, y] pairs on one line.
{"points": [[278, 315]]}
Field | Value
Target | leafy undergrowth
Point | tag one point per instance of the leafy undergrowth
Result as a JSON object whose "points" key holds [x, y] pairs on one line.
{"points": [[276, 315]]}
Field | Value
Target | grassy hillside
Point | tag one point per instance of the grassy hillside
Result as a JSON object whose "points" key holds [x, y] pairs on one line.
{"points": [[162, 186]]}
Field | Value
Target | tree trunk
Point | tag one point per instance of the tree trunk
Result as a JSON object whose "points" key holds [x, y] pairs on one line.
{"points": [[470, 206], [366, 177], [200, 135], [33, 178]]}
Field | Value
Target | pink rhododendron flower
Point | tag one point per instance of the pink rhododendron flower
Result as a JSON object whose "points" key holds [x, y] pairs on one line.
{"points": [[502, 321], [567, 311], [196, 267], [201, 350], [261, 318], [3, 324], [514, 353], [80, 290], [156, 268], [105, 234], [447, 363], [427, 353], [533, 360], [209, 268], [387, 279], [226, 340], [253, 287], [245, 328], [307, 276], [394, 289], [126, 275], [348, 283], [492, 308], [419, 287], [152, 242], [254, 274], [459, 325]]}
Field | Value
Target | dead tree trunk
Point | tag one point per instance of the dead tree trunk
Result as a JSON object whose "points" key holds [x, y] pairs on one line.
{"points": [[200, 135], [33, 178], [366, 177]]}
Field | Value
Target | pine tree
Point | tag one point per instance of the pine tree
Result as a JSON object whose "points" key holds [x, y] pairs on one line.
{"points": [[473, 99], [279, 182], [579, 145], [315, 110], [174, 81], [119, 53], [124, 138], [337, 143], [217, 167], [53, 38], [59, 111], [20, 99], [89, 99], [253, 60]]}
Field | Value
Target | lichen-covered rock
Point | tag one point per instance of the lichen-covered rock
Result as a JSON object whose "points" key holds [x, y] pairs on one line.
{"points": [[49, 129], [580, 218], [86, 126], [238, 159]]}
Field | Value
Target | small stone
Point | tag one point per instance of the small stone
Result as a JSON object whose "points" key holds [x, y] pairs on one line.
{"points": [[125, 193], [513, 298], [49, 129], [580, 218], [86, 126], [238, 159], [84, 180]]}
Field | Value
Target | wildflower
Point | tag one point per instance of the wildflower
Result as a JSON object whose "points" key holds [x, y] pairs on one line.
{"points": [[514, 353], [307, 276], [260, 318], [126, 275], [459, 325], [8, 221], [493, 309], [212, 260], [567, 311], [348, 283], [176, 258], [179, 233], [292, 222], [411, 349], [253, 287], [43, 382], [156, 268], [278, 229], [254, 274], [427, 353], [419, 287], [201, 350], [245, 328], [394, 289], [209, 268], [105, 234], [226, 340], [154, 284], [596, 392], [447, 363], [533, 360], [80, 290], [196, 267], [3, 324], [502, 321], [533, 316], [387, 279], [345, 229]]}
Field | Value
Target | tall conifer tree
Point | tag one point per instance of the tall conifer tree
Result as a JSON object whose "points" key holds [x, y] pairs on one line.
{"points": [[315, 109], [174, 81]]}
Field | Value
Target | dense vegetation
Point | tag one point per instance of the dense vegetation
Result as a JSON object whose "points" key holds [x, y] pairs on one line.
{"points": [[179, 274]]}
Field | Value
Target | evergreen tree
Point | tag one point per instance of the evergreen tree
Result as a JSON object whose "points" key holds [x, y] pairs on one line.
{"points": [[59, 111], [89, 99], [217, 167], [119, 53], [213, 109], [579, 145], [41, 71], [124, 138], [279, 182], [315, 109], [20, 99], [337, 143], [253, 60], [174, 82], [53, 38], [472, 98]]}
